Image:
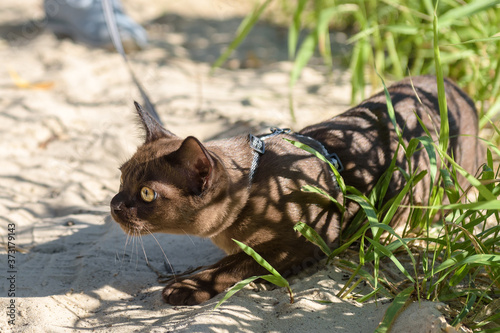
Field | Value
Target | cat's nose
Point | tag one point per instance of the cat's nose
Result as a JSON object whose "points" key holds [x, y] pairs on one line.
{"points": [[117, 207], [116, 203]]}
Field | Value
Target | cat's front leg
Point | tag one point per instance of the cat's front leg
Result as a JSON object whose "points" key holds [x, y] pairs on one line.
{"points": [[202, 286], [189, 291]]}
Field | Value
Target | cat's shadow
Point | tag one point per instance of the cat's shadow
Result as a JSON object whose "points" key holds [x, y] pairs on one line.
{"points": [[93, 257], [92, 265]]}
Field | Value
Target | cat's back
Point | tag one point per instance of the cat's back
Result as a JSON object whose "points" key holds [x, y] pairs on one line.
{"points": [[409, 97], [365, 132]]}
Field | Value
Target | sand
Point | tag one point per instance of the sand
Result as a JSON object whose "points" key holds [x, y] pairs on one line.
{"points": [[64, 134]]}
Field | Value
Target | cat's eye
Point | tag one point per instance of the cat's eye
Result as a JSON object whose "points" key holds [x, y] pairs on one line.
{"points": [[148, 194]]}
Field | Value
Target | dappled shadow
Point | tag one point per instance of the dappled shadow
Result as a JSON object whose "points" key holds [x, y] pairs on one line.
{"points": [[75, 252], [92, 252], [87, 256], [250, 311], [206, 39], [22, 32], [365, 140], [203, 39], [90, 267]]}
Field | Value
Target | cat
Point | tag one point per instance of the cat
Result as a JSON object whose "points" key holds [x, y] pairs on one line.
{"points": [[249, 188]]}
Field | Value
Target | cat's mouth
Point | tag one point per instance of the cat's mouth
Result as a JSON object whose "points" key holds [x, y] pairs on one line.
{"points": [[127, 225]]}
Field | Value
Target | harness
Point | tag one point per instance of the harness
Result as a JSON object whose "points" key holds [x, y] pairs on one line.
{"points": [[259, 148]]}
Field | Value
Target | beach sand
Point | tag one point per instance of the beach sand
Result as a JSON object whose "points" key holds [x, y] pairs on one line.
{"points": [[66, 130]]}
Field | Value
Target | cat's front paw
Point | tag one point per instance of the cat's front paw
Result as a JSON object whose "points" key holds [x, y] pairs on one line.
{"points": [[186, 292]]}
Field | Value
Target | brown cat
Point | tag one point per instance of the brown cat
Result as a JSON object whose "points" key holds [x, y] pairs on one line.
{"points": [[227, 190]]}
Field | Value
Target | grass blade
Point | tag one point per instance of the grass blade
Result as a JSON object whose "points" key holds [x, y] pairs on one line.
{"points": [[444, 131], [316, 153], [276, 277], [465, 310], [323, 33], [483, 190], [245, 27], [314, 189], [482, 205], [312, 236], [391, 256], [465, 10], [367, 207], [396, 244], [401, 301], [240, 285], [479, 40], [462, 259], [363, 274], [399, 198], [305, 53], [257, 257], [390, 110], [494, 109], [294, 29], [449, 187], [427, 143]]}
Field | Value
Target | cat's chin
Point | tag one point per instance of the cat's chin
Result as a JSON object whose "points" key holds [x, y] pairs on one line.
{"points": [[134, 230], [129, 227]]}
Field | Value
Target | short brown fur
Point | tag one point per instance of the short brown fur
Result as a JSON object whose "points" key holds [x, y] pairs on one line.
{"points": [[203, 189]]}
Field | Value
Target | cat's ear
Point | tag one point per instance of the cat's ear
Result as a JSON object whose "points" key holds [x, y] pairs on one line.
{"points": [[154, 130], [197, 162]]}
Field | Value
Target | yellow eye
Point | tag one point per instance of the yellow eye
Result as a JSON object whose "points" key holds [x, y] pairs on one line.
{"points": [[147, 194]]}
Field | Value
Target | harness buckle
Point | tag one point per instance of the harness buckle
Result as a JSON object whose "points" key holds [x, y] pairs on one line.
{"points": [[257, 144], [335, 160], [277, 130]]}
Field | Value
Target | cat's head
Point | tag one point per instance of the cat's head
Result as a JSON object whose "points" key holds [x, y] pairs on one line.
{"points": [[166, 183]]}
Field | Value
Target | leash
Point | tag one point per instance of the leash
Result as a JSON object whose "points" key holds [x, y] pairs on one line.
{"points": [[259, 148], [109, 15], [256, 143]]}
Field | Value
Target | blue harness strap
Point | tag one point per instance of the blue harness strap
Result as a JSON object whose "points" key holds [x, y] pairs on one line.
{"points": [[259, 148]]}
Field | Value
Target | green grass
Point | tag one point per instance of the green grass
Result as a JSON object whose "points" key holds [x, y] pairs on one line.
{"points": [[456, 260], [274, 278], [394, 38]]}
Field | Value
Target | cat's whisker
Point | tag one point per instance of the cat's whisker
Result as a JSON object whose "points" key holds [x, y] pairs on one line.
{"points": [[124, 249], [126, 241], [131, 241], [143, 249], [164, 254], [136, 246], [188, 236]]}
